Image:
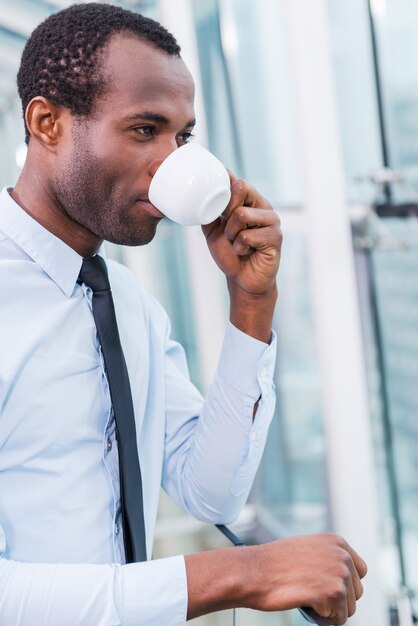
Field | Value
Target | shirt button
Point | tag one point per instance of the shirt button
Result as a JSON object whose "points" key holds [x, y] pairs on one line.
{"points": [[116, 529], [109, 445], [263, 372], [253, 437]]}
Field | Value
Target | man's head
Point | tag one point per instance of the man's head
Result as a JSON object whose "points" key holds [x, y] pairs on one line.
{"points": [[106, 97], [62, 58]]}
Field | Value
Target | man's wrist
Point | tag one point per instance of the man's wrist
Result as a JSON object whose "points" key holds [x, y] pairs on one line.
{"points": [[217, 580], [252, 313]]}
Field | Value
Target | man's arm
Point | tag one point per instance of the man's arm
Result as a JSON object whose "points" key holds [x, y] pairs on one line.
{"points": [[318, 571], [210, 462], [213, 448], [139, 594], [246, 244]]}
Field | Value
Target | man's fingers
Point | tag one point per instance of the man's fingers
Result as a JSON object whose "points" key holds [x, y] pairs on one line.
{"points": [[357, 567], [358, 587], [341, 602], [351, 595], [354, 568], [257, 239], [245, 218], [355, 578], [359, 563]]}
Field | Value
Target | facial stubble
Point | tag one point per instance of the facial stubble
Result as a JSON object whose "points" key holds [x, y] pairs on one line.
{"points": [[89, 194]]}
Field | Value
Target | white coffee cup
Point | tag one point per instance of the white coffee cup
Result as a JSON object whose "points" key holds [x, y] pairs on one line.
{"points": [[191, 186]]}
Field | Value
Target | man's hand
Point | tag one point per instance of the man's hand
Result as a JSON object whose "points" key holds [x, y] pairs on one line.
{"points": [[318, 571], [246, 243], [246, 240]]}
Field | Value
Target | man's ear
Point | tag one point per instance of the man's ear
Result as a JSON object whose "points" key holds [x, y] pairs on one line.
{"points": [[45, 120]]}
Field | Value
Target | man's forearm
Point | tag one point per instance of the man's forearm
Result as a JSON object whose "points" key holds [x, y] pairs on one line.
{"points": [[253, 313], [318, 571]]}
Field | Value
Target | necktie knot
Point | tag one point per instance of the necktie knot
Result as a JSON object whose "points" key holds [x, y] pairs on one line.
{"points": [[94, 274]]}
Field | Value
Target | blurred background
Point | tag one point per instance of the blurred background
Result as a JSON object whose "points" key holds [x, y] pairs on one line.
{"points": [[316, 103]]}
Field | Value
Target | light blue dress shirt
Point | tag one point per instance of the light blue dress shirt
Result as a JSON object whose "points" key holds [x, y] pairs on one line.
{"points": [[61, 543]]}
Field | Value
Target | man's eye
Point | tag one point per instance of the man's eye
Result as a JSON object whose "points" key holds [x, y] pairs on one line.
{"points": [[146, 131], [186, 136]]}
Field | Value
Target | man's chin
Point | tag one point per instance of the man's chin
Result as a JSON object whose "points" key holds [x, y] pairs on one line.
{"points": [[135, 237]]}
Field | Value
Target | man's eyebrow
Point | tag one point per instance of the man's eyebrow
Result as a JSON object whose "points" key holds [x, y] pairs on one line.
{"points": [[148, 116]]}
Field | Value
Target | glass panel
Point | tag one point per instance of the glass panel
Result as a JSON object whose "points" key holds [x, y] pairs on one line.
{"points": [[396, 23], [175, 291], [388, 553], [246, 87], [389, 302], [397, 293], [11, 123], [291, 481], [396, 26], [356, 95], [392, 372]]}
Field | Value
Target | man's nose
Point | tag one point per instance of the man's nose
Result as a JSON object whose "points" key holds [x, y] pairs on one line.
{"points": [[155, 163]]}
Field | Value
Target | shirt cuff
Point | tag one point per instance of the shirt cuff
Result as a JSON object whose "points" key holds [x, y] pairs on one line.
{"points": [[155, 593], [247, 364]]}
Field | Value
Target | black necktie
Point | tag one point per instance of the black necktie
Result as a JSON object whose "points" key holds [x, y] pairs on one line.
{"points": [[94, 274]]}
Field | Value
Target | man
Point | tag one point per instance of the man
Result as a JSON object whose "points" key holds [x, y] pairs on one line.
{"points": [[106, 97]]}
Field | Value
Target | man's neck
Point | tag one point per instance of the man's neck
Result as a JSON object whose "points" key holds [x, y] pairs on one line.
{"points": [[33, 197]]}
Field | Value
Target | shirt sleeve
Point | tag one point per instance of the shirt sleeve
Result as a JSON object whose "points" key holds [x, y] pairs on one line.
{"points": [[138, 594], [212, 455]]}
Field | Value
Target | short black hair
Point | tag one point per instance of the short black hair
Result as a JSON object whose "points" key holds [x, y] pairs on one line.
{"points": [[61, 59]]}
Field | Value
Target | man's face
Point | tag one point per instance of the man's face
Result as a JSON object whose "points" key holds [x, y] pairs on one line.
{"points": [[106, 162]]}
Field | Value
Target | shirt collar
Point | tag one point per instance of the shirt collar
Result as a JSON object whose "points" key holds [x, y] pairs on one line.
{"points": [[56, 258]]}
